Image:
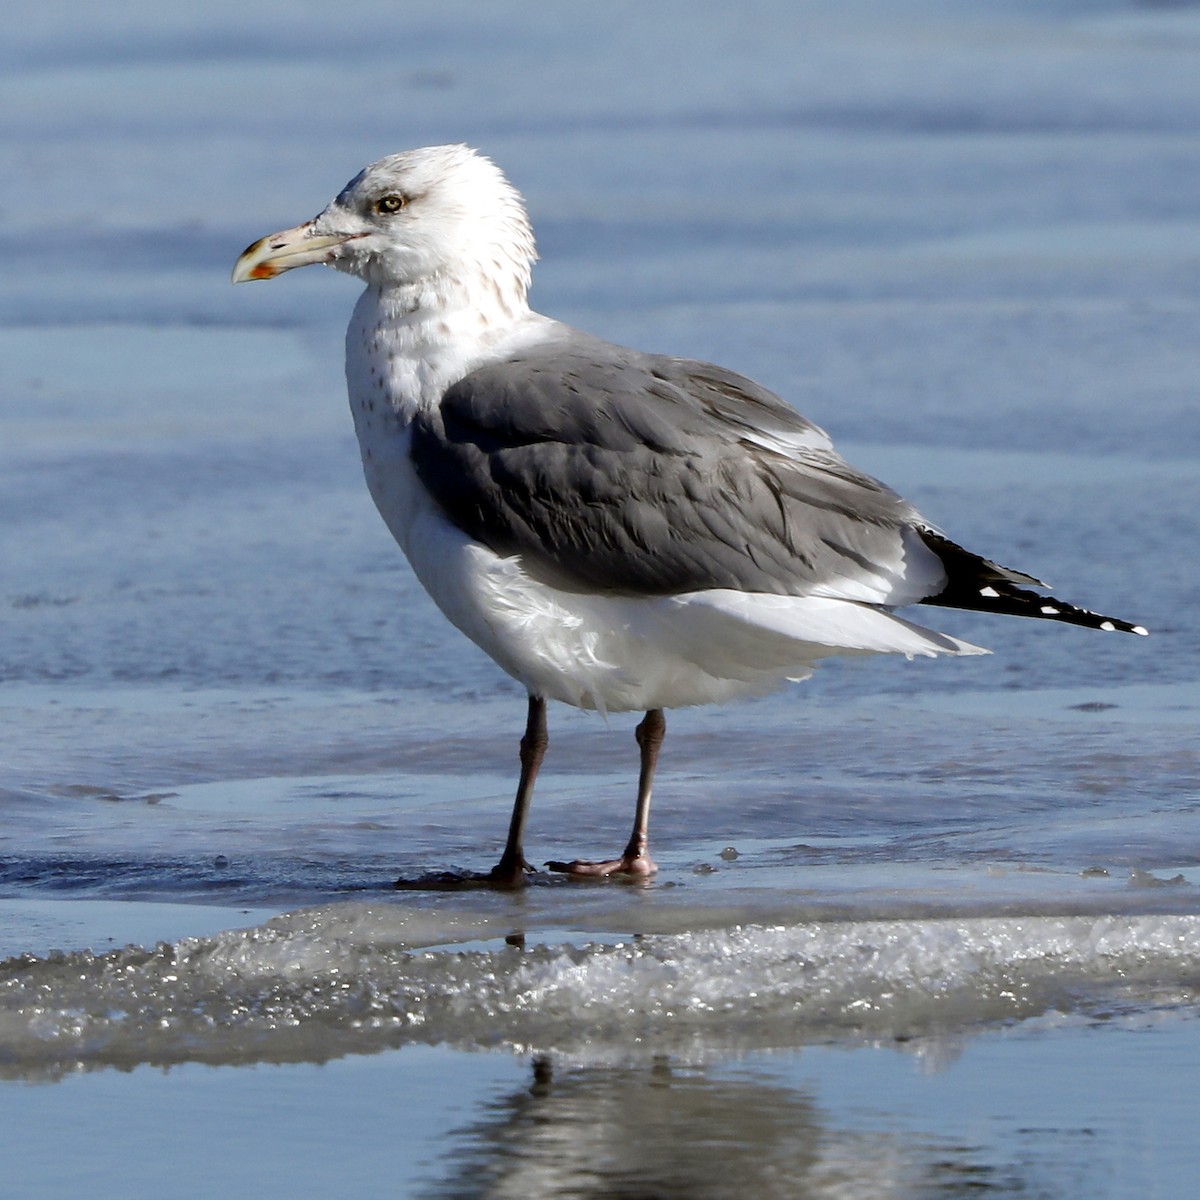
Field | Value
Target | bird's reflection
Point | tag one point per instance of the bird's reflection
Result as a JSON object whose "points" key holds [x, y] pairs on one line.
{"points": [[676, 1133]]}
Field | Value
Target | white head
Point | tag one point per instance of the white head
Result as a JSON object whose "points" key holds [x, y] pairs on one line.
{"points": [[441, 223]]}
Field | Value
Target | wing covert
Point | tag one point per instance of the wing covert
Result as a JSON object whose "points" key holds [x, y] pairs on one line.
{"points": [[610, 471]]}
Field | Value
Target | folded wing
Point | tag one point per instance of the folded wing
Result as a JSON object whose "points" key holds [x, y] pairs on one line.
{"points": [[612, 472]]}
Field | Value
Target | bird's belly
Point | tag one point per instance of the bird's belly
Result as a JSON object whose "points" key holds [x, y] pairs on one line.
{"points": [[610, 653]]}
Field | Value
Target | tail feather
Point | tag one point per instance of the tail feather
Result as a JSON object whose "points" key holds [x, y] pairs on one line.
{"points": [[981, 585]]}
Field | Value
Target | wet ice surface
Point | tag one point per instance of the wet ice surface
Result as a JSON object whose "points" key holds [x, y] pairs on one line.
{"points": [[320, 983], [956, 950]]}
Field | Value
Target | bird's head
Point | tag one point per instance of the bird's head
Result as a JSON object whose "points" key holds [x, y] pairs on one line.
{"points": [[437, 218]]}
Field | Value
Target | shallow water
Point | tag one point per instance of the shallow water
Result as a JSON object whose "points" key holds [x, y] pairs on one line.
{"points": [[920, 929]]}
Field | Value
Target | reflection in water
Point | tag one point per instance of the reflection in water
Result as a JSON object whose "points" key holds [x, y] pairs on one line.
{"points": [[663, 1132]]}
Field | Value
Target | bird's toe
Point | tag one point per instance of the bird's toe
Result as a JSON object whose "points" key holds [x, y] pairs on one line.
{"points": [[628, 866]]}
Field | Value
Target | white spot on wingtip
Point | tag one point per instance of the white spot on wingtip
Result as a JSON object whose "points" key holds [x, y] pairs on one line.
{"points": [[1050, 610], [1108, 626], [989, 592], [1141, 631]]}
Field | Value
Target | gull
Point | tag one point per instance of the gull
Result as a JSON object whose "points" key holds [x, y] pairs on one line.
{"points": [[619, 531]]}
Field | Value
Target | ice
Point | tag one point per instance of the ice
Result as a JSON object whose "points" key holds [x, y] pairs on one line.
{"points": [[353, 978]]}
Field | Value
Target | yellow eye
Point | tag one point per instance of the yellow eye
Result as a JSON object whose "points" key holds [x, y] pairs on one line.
{"points": [[391, 203]]}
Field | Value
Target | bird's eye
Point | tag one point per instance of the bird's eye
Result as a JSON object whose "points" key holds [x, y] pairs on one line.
{"points": [[389, 204]]}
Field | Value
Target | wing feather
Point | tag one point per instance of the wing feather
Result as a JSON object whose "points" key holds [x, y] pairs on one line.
{"points": [[610, 471]]}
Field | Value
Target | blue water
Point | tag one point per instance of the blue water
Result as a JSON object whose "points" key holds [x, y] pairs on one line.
{"points": [[920, 929]]}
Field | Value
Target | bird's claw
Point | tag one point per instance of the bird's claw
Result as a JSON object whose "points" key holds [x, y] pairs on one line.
{"points": [[635, 867]]}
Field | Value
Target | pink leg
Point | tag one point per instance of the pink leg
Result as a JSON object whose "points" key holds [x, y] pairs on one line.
{"points": [[635, 861]]}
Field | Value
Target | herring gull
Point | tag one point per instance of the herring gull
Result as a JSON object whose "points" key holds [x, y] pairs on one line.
{"points": [[620, 531]]}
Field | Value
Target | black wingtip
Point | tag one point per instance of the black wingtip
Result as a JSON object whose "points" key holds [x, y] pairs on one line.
{"points": [[979, 585], [1020, 602]]}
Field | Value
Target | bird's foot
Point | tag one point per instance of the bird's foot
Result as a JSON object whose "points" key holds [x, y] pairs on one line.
{"points": [[506, 874], [509, 872], [629, 866]]}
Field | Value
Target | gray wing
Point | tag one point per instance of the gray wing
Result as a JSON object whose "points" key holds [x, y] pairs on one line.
{"points": [[610, 471]]}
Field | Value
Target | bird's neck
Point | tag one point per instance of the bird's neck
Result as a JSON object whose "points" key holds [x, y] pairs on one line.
{"points": [[418, 339], [488, 297]]}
